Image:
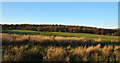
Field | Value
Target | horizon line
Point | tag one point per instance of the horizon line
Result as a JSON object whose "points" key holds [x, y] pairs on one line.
{"points": [[60, 24]]}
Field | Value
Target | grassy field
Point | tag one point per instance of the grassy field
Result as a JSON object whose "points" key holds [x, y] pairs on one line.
{"points": [[39, 48], [63, 34], [26, 45]]}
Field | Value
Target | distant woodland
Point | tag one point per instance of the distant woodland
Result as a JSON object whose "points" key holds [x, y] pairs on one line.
{"points": [[62, 28]]}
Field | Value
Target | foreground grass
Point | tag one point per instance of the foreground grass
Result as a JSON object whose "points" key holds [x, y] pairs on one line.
{"points": [[49, 48], [63, 34], [53, 53]]}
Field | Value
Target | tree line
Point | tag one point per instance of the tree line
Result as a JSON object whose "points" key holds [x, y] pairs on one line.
{"points": [[62, 28]]}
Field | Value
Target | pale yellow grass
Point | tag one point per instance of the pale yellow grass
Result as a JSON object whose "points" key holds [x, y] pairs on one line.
{"points": [[93, 48], [55, 54], [15, 37]]}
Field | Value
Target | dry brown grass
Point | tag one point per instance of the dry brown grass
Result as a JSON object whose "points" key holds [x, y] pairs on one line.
{"points": [[98, 39], [78, 54], [50, 48], [55, 54], [15, 37], [92, 48]]}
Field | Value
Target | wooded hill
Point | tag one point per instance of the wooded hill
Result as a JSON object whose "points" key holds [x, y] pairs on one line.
{"points": [[62, 28]]}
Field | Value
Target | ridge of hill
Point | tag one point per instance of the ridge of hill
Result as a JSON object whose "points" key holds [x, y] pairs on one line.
{"points": [[61, 28]]}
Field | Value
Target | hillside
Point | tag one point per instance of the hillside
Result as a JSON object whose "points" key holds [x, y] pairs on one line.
{"points": [[62, 28], [63, 34]]}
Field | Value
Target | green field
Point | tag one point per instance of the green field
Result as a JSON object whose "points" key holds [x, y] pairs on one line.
{"points": [[63, 34]]}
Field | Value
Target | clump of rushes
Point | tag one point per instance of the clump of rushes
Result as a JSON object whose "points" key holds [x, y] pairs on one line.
{"points": [[55, 54], [78, 54]]}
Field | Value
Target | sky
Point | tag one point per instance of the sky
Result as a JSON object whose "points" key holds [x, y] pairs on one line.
{"points": [[60, 0], [93, 14]]}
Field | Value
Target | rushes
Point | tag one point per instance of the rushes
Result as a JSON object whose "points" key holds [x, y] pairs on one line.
{"points": [[52, 53], [78, 54], [49, 48], [93, 48], [106, 50], [55, 54]]}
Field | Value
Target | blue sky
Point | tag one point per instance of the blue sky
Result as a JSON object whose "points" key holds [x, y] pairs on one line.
{"points": [[60, 0], [94, 14]]}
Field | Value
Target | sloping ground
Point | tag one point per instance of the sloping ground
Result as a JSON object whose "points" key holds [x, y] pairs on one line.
{"points": [[63, 34], [40, 48], [51, 40]]}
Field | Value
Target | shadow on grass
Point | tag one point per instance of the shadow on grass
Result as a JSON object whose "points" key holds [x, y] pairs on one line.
{"points": [[33, 57], [63, 43], [25, 57]]}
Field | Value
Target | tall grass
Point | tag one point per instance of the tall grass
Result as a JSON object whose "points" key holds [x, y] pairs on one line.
{"points": [[55, 54], [49, 48]]}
